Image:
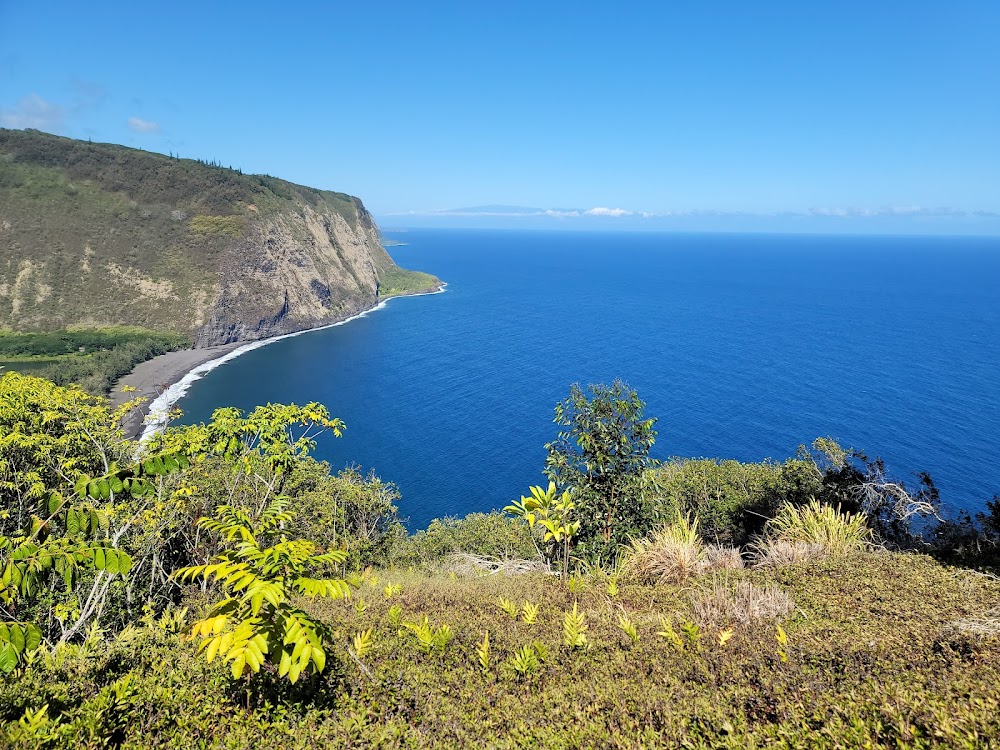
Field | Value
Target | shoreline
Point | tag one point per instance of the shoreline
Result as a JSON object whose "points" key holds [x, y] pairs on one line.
{"points": [[165, 379]]}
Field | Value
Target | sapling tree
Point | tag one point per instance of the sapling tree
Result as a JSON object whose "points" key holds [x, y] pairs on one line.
{"points": [[554, 514], [260, 570], [600, 455], [70, 494]]}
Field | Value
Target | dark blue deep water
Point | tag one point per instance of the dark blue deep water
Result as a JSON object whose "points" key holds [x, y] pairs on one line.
{"points": [[744, 346]]}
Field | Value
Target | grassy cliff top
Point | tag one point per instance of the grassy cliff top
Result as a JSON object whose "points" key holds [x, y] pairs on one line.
{"points": [[50, 168]]}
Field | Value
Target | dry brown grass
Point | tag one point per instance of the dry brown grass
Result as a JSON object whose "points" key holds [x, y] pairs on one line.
{"points": [[975, 629], [465, 564], [749, 603], [776, 553], [674, 553], [718, 557]]}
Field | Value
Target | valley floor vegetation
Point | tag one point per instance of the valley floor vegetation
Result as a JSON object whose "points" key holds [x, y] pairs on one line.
{"points": [[95, 358], [218, 587]]}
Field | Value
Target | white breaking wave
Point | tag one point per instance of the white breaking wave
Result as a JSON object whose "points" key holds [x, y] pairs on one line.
{"points": [[159, 408]]}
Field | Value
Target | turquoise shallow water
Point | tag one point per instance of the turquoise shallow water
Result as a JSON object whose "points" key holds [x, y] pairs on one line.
{"points": [[744, 346]]}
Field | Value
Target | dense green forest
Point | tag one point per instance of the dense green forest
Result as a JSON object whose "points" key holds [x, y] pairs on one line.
{"points": [[93, 358], [219, 587]]}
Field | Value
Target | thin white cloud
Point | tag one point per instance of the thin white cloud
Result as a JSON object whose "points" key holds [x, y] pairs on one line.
{"points": [[841, 212], [897, 211], [138, 125], [833, 212], [32, 111], [601, 211]]}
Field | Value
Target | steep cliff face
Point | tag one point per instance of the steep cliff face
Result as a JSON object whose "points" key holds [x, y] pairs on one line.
{"points": [[95, 234], [295, 270]]}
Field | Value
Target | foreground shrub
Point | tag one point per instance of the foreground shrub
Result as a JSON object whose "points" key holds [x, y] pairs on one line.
{"points": [[257, 622], [600, 453], [732, 499], [552, 514], [488, 535], [748, 603], [347, 509]]}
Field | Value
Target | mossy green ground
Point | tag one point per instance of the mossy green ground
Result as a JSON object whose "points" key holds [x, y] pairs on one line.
{"points": [[396, 282], [871, 662]]}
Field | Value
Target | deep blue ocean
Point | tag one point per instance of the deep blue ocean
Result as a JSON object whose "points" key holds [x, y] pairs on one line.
{"points": [[744, 346]]}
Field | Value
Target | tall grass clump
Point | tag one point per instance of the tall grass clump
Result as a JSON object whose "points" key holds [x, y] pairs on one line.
{"points": [[669, 555], [797, 534], [777, 553]]}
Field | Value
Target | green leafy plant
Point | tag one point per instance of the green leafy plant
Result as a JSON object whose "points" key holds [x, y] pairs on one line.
{"points": [[668, 633], [34, 727], [363, 642], [430, 639], [600, 455], [354, 579], [626, 625], [392, 589], [524, 661], [541, 649], [553, 513], [483, 652], [16, 640], [256, 623], [611, 587], [575, 628], [692, 634], [509, 607], [782, 639], [395, 615], [529, 613], [68, 535]]}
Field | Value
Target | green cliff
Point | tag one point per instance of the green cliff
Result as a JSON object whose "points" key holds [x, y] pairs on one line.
{"points": [[101, 235]]}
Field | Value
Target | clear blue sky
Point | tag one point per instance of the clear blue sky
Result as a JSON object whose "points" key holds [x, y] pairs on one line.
{"points": [[886, 108]]}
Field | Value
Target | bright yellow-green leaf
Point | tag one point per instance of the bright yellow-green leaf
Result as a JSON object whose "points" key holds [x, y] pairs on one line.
{"points": [[239, 663]]}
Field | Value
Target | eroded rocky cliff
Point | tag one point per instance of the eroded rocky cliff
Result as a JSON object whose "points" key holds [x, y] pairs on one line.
{"points": [[294, 270]]}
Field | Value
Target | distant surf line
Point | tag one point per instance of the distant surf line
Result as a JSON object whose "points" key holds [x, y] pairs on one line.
{"points": [[159, 409]]}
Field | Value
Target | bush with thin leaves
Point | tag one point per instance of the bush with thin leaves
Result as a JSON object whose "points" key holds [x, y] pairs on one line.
{"points": [[670, 555], [718, 557], [823, 525], [777, 553]]}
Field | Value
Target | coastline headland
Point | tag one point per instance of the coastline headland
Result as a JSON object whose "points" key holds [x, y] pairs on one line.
{"points": [[165, 379]]}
